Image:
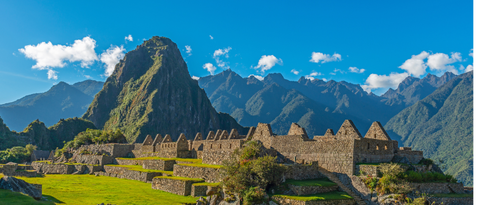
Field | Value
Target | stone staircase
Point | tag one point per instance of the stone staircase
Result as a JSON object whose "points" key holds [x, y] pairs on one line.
{"points": [[335, 179]]}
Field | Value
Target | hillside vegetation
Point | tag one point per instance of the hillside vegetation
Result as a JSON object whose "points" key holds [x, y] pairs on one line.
{"points": [[441, 125]]}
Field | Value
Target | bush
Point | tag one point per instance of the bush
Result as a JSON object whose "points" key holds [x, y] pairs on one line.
{"points": [[254, 195], [426, 162], [428, 177], [17, 154], [91, 136], [413, 176], [391, 169], [371, 182], [439, 176], [450, 178]]}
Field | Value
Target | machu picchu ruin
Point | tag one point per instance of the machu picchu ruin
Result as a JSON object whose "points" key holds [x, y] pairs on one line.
{"points": [[332, 165]]}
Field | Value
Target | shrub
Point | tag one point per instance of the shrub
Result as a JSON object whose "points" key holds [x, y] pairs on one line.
{"points": [[439, 176], [254, 195], [450, 178], [391, 169], [427, 176], [413, 176], [426, 162], [17, 154], [370, 182]]}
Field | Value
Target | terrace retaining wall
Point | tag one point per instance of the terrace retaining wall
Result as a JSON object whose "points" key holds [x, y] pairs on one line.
{"points": [[210, 175]]}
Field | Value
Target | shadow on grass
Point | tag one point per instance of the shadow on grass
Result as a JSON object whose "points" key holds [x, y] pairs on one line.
{"points": [[10, 197]]}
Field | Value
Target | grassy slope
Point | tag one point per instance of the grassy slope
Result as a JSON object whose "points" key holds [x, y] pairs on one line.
{"points": [[89, 189]]}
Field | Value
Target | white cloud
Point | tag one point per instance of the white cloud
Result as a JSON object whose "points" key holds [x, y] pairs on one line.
{"points": [[356, 70], [189, 50], [219, 53], [416, 65], [87, 76], [129, 38], [317, 57], [335, 71], [441, 61], [195, 77], [111, 57], [52, 74], [469, 68], [267, 62], [211, 37], [260, 78], [50, 56], [312, 75], [375, 81], [210, 68], [296, 72], [324, 79], [310, 78], [471, 52]]}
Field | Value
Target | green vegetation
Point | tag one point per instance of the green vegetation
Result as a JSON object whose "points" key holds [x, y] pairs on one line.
{"points": [[202, 165], [250, 171], [91, 136], [181, 178], [207, 184], [311, 182], [139, 168], [318, 197], [10, 197], [17, 154], [89, 189], [441, 125]]}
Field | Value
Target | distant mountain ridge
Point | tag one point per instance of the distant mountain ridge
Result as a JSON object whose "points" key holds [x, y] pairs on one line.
{"points": [[60, 102], [250, 100], [441, 125], [151, 92]]}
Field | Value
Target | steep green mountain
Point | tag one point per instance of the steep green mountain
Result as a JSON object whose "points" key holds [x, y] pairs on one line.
{"points": [[59, 102], [412, 89], [37, 133], [441, 125], [152, 92]]}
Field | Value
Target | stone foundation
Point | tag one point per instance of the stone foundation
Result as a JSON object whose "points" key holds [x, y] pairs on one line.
{"points": [[174, 186], [53, 168], [302, 171], [125, 173], [439, 188], [199, 190], [93, 159], [210, 175], [452, 201], [166, 165]]}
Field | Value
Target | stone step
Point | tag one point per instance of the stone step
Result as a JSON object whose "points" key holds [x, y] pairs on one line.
{"points": [[344, 188]]}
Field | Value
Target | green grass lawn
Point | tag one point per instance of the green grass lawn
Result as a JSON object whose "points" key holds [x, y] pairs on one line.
{"points": [[203, 165], [10, 197], [207, 184], [335, 195], [89, 189], [139, 168], [181, 178], [311, 182]]}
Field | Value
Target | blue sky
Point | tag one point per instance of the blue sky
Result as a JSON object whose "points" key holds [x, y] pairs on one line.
{"points": [[372, 43]]}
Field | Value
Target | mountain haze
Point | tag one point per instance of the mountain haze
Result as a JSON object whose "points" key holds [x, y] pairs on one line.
{"points": [[59, 102], [151, 92]]}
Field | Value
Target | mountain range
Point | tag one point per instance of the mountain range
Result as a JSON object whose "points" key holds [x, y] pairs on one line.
{"points": [[59, 102]]}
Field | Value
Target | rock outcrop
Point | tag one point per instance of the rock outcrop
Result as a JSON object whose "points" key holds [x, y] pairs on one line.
{"points": [[18, 185]]}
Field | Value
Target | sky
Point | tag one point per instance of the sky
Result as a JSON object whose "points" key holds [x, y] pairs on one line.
{"points": [[375, 44]]}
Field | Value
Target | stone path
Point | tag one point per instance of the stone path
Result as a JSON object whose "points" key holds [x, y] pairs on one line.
{"points": [[344, 188]]}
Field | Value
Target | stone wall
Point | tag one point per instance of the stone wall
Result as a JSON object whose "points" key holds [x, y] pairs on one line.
{"points": [[131, 161], [93, 159], [125, 173], [438, 188], [373, 151], [214, 152], [53, 168], [284, 201], [302, 171], [263, 133], [199, 190], [210, 175], [179, 187], [413, 157], [166, 165], [335, 155], [307, 190]]}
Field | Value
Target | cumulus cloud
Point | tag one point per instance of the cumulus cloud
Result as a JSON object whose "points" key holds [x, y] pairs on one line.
{"points": [[382, 81], [416, 64], [260, 78], [52, 74], [210, 68], [441, 61], [296, 72], [317, 57], [469, 68], [129, 38], [87, 76], [50, 56], [111, 57], [335, 71], [356, 70], [221, 53], [189, 50], [312, 75], [195, 77], [324, 79], [471, 52], [267, 62], [211, 37]]}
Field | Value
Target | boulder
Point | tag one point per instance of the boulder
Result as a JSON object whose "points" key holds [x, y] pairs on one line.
{"points": [[18, 185]]}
